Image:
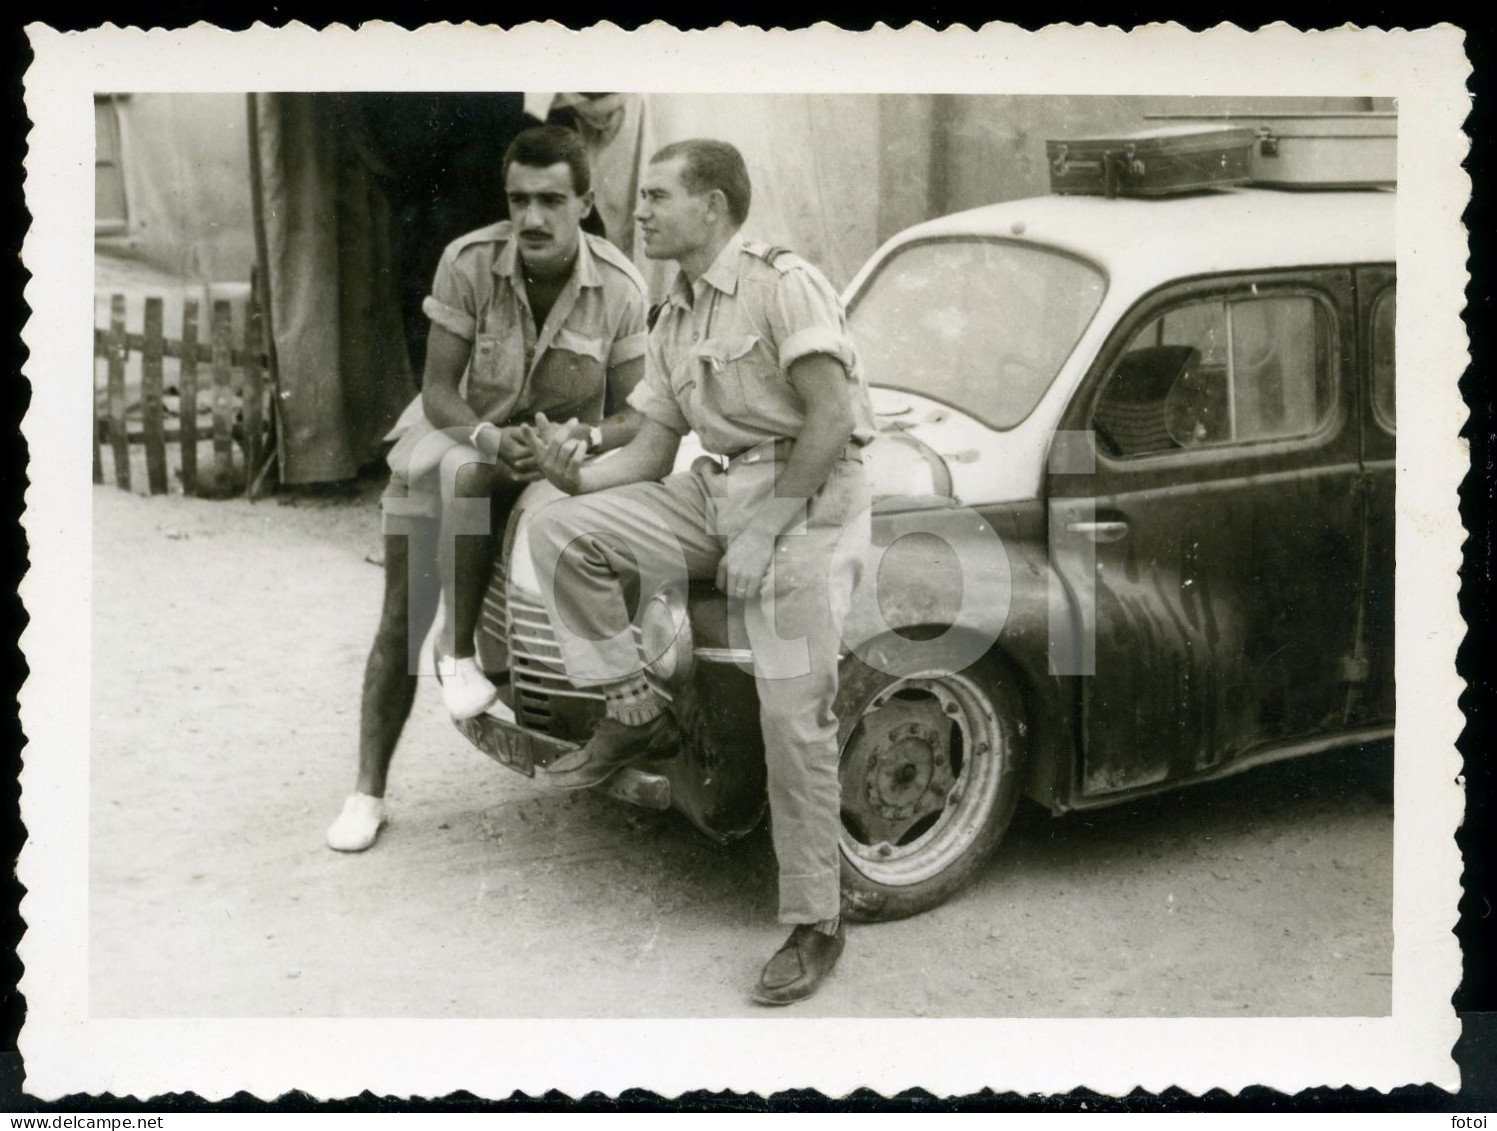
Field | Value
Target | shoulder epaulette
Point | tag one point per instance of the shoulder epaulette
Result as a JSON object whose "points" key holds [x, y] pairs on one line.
{"points": [[611, 255], [493, 233], [780, 258]]}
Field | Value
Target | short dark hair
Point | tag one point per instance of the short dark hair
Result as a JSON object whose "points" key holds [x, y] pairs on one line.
{"points": [[544, 146], [708, 165]]}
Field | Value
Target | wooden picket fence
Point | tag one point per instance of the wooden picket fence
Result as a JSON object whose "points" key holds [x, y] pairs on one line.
{"points": [[224, 377]]}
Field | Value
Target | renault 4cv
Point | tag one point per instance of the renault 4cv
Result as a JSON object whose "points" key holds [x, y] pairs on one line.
{"points": [[1133, 530]]}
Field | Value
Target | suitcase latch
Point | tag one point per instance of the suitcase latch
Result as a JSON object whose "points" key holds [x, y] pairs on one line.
{"points": [[1117, 166], [1114, 166], [1268, 145]]}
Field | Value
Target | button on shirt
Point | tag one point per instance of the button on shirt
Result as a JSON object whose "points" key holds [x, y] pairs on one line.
{"points": [[516, 369], [719, 355]]}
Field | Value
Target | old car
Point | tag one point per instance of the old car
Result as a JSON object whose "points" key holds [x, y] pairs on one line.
{"points": [[1133, 531]]}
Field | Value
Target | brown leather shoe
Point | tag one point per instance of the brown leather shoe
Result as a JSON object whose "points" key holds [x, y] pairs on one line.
{"points": [[612, 747], [800, 966]]}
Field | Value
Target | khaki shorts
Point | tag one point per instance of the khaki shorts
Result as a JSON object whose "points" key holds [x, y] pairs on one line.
{"points": [[416, 454], [402, 502]]}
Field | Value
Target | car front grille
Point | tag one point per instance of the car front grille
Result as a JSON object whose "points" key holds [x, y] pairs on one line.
{"points": [[541, 692], [535, 664]]}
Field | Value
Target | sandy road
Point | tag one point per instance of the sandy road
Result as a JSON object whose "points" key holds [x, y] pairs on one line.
{"points": [[229, 641]]}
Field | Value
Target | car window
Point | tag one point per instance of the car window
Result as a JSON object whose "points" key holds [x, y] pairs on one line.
{"points": [[1220, 371], [1384, 314], [983, 325]]}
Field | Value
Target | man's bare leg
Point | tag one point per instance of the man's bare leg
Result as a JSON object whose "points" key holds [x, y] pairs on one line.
{"points": [[472, 557], [410, 606], [465, 552]]}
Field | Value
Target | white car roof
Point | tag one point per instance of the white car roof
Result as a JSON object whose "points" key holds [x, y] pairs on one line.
{"points": [[1237, 229]]}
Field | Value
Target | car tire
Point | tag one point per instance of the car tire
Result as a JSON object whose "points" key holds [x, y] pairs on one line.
{"points": [[930, 765]]}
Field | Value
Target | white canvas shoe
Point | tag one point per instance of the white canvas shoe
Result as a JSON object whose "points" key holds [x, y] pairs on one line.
{"points": [[467, 691], [501, 710], [358, 825]]}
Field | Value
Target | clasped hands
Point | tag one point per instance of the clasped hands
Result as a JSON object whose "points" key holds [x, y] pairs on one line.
{"points": [[557, 451], [527, 451]]}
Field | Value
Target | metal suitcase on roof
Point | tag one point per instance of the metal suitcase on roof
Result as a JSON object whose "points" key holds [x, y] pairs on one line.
{"points": [[1318, 150], [1156, 162]]}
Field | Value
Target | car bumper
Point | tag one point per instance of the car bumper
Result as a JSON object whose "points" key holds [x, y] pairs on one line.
{"points": [[523, 750]]}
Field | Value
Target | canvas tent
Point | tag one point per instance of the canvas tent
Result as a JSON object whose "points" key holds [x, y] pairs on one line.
{"points": [[170, 183], [356, 194]]}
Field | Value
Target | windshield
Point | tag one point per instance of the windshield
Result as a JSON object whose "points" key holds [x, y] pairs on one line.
{"points": [[982, 325]]}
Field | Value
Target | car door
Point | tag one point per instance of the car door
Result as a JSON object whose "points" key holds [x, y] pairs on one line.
{"points": [[1371, 695], [1214, 554]]}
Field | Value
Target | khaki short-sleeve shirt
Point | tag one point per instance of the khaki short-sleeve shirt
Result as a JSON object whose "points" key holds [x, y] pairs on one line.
{"points": [[718, 358], [517, 369]]}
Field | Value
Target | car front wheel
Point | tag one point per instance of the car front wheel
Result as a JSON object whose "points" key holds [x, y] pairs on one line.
{"points": [[930, 777]]}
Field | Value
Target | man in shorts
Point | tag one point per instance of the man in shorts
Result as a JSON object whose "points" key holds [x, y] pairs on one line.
{"points": [[528, 316]]}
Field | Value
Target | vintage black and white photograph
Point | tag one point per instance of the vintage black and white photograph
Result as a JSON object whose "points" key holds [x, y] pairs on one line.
{"points": [[713, 553]]}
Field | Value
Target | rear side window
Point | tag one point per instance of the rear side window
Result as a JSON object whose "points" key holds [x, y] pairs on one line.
{"points": [[1384, 314], [1220, 371]]}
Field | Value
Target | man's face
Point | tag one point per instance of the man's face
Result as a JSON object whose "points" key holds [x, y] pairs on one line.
{"points": [[672, 221], [546, 213]]}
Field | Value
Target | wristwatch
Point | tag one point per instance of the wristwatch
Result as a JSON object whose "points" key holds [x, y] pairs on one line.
{"points": [[594, 438]]}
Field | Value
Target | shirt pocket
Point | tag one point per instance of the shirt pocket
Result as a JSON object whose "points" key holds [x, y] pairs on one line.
{"points": [[746, 376], [685, 373], [575, 368], [496, 371], [583, 345]]}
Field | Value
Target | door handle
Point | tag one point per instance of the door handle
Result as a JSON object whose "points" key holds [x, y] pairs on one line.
{"points": [[1099, 531]]}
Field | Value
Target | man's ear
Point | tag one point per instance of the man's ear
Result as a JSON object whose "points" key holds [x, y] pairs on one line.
{"points": [[717, 204], [587, 199]]}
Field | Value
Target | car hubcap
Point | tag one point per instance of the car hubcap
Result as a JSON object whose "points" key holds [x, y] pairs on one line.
{"points": [[920, 772]]}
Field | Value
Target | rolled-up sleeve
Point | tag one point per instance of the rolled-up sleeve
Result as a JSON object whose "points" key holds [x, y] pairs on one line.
{"points": [[627, 349], [653, 397], [452, 304], [808, 319]]}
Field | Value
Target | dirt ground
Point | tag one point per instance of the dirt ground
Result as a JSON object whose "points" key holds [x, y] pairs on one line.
{"points": [[229, 642]]}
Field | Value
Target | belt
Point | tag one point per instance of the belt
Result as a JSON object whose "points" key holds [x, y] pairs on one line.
{"points": [[772, 451]]}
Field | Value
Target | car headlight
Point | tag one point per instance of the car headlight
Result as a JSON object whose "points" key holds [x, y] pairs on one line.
{"points": [[665, 636]]}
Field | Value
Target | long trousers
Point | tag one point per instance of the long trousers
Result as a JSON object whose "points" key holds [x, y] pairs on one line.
{"points": [[590, 549]]}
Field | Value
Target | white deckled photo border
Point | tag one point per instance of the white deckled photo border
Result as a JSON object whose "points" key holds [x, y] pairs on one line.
{"points": [[68, 1051]]}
